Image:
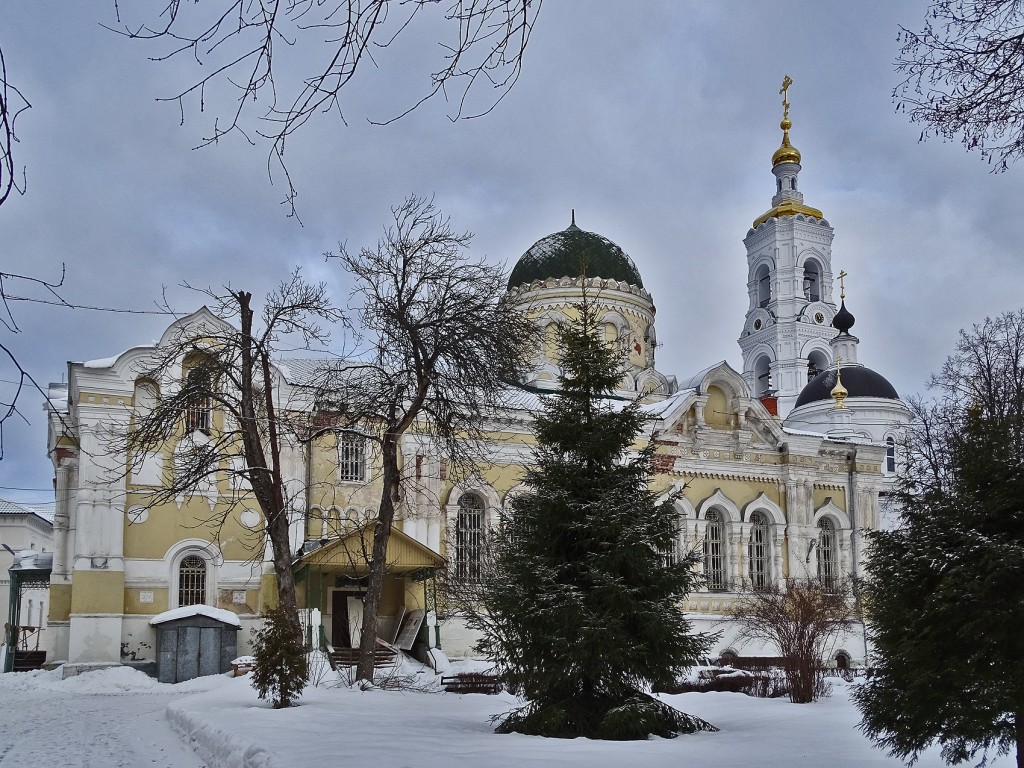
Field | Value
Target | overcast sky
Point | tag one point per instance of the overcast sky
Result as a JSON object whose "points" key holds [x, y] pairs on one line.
{"points": [[656, 121]]}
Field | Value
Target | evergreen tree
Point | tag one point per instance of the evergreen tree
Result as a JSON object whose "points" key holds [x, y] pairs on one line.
{"points": [[281, 669], [584, 608], [945, 590]]}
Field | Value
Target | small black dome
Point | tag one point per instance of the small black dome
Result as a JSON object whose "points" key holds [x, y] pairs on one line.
{"points": [[858, 380], [844, 319], [568, 253]]}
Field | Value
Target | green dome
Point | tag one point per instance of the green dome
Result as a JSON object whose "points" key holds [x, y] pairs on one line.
{"points": [[572, 252]]}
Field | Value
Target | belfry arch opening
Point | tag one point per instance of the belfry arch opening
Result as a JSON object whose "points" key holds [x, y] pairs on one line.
{"points": [[764, 285], [817, 362], [812, 280], [762, 376]]}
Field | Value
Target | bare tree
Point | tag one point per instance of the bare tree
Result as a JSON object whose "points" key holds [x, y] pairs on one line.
{"points": [[964, 76], [441, 346], [800, 617], [12, 104], [26, 288], [243, 45], [227, 409]]}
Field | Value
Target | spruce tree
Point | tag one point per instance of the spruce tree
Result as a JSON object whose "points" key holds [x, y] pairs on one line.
{"points": [[945, 590], [584, 609], [282, 668]]}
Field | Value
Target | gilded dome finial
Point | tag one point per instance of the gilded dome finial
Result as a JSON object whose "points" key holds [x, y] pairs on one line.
{"points": [[839, 392], [787, 153]]}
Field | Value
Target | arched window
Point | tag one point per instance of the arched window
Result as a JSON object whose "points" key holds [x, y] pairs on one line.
{"points": [[812, 280], [191, 581], [764, 285], [759, 551], [828, 569], [197, 395], [762, 375], [469, 539], [890, 455], [714, 551]]}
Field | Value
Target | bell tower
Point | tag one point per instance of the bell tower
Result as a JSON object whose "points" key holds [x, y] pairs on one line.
{"points": [[787, 329]]}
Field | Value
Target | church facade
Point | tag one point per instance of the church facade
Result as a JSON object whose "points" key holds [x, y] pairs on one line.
{"points": [[777, 468]]}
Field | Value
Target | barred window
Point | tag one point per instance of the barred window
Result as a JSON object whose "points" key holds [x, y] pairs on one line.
{"points": [[672, 554], [352, 458], [759, 551], [469, 539], [191, 581], [198, 384], [827, 567], [714, 551]]}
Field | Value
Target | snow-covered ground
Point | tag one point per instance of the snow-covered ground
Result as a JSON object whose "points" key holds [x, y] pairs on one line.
{"points": [[119, 717]]}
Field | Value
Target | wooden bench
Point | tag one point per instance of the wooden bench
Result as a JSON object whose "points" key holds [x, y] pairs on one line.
{"points": [[471, 682]]}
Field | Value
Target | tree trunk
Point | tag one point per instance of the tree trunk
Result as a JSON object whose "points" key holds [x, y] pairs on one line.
{"points": [[378, 558], [1019, 728]]}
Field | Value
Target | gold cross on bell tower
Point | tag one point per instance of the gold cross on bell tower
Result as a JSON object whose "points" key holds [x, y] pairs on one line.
{"points": [[786, 82], [842, 284]]}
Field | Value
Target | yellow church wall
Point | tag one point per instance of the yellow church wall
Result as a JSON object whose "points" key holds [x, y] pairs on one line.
{"points": [[267, 600], [60, 602], [166, 525], [740, 492], [716, 412], [97, 592], [133, 600], [823, 496]]}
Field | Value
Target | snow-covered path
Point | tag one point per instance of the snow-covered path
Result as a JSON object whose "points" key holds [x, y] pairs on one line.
{"points": [[73, 724]]}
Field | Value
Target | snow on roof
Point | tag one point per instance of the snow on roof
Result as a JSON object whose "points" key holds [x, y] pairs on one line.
{"points": [[197, 610], [105, 362]]}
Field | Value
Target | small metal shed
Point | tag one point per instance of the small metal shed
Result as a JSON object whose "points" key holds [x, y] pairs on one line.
{"points": [[194, 641]]}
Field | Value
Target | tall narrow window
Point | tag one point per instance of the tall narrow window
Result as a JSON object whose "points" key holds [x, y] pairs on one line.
{"points": [[890, 455], [670, 555], [827, 567], [714, 551], [759, 552], [352, 458], [469, 539], [812, 281], [192, 581], [764, 286], [197, 392]]}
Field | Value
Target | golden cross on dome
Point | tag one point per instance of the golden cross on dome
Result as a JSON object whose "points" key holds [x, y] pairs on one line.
{"points": [[842, 283], [786, 82]]}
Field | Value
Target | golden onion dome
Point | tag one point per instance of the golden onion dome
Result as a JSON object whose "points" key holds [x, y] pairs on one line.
{"points": [[787, 153]]}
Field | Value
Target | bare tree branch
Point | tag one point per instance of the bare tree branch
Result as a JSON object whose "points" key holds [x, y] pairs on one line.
{"points": [[12, 104], [236, 42], [964, 76]]}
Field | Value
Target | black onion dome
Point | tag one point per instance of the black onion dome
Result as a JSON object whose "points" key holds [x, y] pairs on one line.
{"points": [[844, 319], [573, 252], [858, 381]]}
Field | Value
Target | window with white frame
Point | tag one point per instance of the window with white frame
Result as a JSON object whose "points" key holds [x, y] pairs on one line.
{"points": [[351, 457], [890, 455], [191, 581], [759, 551], [469, 539], [714, 551], [828, 567]]}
